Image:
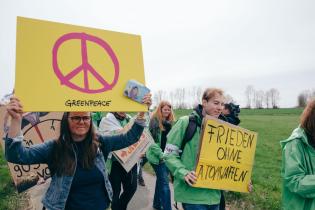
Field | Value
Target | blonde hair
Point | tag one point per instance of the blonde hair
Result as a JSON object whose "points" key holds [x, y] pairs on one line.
{"points": [[211, 92], [158, 114]]}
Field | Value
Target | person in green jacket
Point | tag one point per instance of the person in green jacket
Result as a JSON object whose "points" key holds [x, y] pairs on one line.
{"points": [[182, 163], [298, 164], [160, 124]]}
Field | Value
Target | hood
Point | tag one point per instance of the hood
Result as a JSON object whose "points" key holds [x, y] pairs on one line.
{"points": [[297, 133]]}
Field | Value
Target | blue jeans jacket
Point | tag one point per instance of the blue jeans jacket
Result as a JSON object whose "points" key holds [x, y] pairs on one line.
{"points": [[57, 193]]}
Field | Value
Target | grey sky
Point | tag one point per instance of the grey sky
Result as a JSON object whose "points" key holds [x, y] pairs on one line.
{"points": [[227, 44]]}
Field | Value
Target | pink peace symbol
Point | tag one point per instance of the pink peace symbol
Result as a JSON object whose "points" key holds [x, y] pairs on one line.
{"points": [[85, 66]]}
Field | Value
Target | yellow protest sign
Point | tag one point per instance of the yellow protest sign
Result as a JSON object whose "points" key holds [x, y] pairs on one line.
{"points": [[226, 156], [61, 67]]}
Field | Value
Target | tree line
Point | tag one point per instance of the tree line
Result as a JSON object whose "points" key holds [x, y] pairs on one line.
{"points": [[305, 96], [186, 98], [261, 99]]}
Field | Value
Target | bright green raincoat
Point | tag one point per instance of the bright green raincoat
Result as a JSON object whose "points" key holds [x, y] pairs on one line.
{"points": [[298, 172]]}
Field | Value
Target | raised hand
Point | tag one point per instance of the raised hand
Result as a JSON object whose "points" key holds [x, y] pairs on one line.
{"points": [[15, 108], [146, 100]]}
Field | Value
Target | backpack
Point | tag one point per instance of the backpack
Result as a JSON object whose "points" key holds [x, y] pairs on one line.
{"points": [[190, 131]]}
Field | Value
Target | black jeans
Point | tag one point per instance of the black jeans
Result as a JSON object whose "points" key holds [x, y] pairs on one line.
{"points": [[119, 176], [143, 161]]}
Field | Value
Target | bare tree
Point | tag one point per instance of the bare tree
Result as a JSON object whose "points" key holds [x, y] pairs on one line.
{"points": [[275, 96], [249, 94], [259, 98], [159, 96], [268, 99], [182, 98], [305, 96], [179, 96], [171, 96], [198, 95], [302, 100], [195, 94]]}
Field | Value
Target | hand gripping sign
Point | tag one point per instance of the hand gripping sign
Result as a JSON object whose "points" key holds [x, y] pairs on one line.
{"points": [[62, 67]]}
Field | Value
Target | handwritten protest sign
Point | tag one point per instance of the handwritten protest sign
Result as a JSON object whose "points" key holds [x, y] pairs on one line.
{"points": [[36, 127], [61, 67], [226, 156]]}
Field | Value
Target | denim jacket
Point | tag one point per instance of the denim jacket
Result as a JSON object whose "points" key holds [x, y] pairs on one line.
{"points": [[57, 193]]}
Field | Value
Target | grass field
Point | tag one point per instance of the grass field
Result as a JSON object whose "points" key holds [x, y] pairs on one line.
{"points": [[9, 198], [271, 125]]}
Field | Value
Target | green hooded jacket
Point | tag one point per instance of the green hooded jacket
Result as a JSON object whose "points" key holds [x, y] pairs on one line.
{"points": [[298, 172], [180, 166], [154, 154]]}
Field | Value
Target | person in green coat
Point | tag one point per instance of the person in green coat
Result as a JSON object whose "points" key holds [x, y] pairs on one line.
{"points": [[160, 124], [182, 163], [298, 164]]}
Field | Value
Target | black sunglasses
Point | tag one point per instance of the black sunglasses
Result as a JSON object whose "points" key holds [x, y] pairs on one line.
{"points": [[77, 119]]}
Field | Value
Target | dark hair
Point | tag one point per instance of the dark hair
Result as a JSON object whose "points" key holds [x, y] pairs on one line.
{"points": [[233, 108], [308, 120], [63, 161]]}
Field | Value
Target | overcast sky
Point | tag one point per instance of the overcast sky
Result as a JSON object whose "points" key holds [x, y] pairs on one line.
{"points": [[225, 44]]}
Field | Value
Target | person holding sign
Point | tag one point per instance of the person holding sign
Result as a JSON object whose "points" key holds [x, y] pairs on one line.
{"points": [[298, 164], [76, 159], [112, 122], [230, 113], [181, 159], [160, 125]]}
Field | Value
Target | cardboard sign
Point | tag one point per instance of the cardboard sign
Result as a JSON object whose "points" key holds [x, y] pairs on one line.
{"points": [[61, 67], [36, 127], [129, 156], [226, 156]]}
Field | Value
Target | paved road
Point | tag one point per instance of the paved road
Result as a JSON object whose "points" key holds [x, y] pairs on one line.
{"points": [[142, 199]]}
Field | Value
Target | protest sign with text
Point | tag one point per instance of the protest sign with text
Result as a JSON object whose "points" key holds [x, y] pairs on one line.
{"points": [[225, 157], [62, 67], [36, 127]]}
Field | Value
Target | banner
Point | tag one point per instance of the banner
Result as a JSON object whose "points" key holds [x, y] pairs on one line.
{"points": [[226, 156], [129, 156], [36, 127], [62, 67]]}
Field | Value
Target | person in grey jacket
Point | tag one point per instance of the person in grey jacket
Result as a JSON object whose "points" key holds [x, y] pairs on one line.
{"points": [[76, 159]]}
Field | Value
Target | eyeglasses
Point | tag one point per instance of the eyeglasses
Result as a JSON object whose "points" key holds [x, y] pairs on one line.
{"points": [[77, 119]]}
